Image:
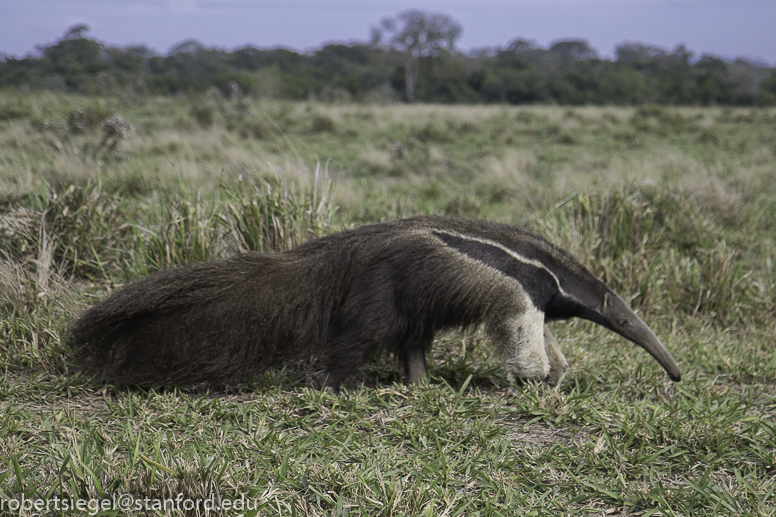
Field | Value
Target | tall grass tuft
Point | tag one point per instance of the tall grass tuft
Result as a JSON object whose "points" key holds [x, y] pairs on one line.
{"points": [[82, 120], [656, 247], [88, 225], [187, 232], [714, 283], [279, 215], [34, 300], [84, 225]]}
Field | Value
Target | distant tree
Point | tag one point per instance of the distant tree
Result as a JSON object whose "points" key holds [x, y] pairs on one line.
{"points": [[766, 91], [128, 65], [640, 56], [714, 85], [682, 54], [252, 58], [521, 46], [520, 53], [676, 78], [746, 77], [573, 50], [76, 32], [417, 35], [625, 86], [75, 57], [197, 65], [565, 72]]}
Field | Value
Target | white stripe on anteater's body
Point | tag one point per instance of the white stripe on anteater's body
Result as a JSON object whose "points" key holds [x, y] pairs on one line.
{"points": [[347, 296], [460, 241]]}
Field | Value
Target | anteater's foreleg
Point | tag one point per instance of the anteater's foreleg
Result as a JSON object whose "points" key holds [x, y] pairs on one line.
{"points": [[558, 363]]}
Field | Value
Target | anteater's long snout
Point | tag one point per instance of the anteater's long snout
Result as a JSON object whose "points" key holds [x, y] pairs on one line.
{"points": [[616, 315], [642, 335]]}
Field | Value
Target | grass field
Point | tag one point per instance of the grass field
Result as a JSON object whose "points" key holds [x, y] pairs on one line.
{"points": [[674, 208]]}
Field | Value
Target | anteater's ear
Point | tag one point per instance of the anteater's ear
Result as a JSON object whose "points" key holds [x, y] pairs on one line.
{"points": [[607, 301]]}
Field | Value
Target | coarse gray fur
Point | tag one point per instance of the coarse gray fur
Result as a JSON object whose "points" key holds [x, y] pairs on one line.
{"points": [[347, 296]]}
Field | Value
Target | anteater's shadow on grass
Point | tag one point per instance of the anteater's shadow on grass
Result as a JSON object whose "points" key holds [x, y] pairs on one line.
{"points": [[383, 371]]}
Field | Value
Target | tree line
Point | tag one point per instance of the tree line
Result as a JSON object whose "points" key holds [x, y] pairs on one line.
{"points": [[411, 57]]}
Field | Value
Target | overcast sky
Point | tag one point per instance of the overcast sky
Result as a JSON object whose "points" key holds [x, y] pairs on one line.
{"points": [[726, 28]]}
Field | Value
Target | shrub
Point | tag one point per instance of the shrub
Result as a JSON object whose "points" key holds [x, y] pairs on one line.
{"points": [[323, 124], [187, 232], [656, 248], [278, 216]]}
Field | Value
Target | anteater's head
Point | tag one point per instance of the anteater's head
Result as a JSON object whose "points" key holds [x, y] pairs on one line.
{"points": [[580, 294], [557, 284], [614, 314]]}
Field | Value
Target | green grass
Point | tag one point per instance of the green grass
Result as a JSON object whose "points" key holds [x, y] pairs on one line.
{"points": [[674, 208]]}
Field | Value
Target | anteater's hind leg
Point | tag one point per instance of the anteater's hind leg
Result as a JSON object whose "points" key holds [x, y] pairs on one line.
{"points": [[414, 361], [349, 352], [339, 367], [413, 358]]}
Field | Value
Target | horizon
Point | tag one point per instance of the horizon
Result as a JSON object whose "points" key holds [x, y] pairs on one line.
{"points": [[723, 28]]}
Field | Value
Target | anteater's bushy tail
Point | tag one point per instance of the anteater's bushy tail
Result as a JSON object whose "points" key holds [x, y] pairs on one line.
{"points": [[209, 322]]}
